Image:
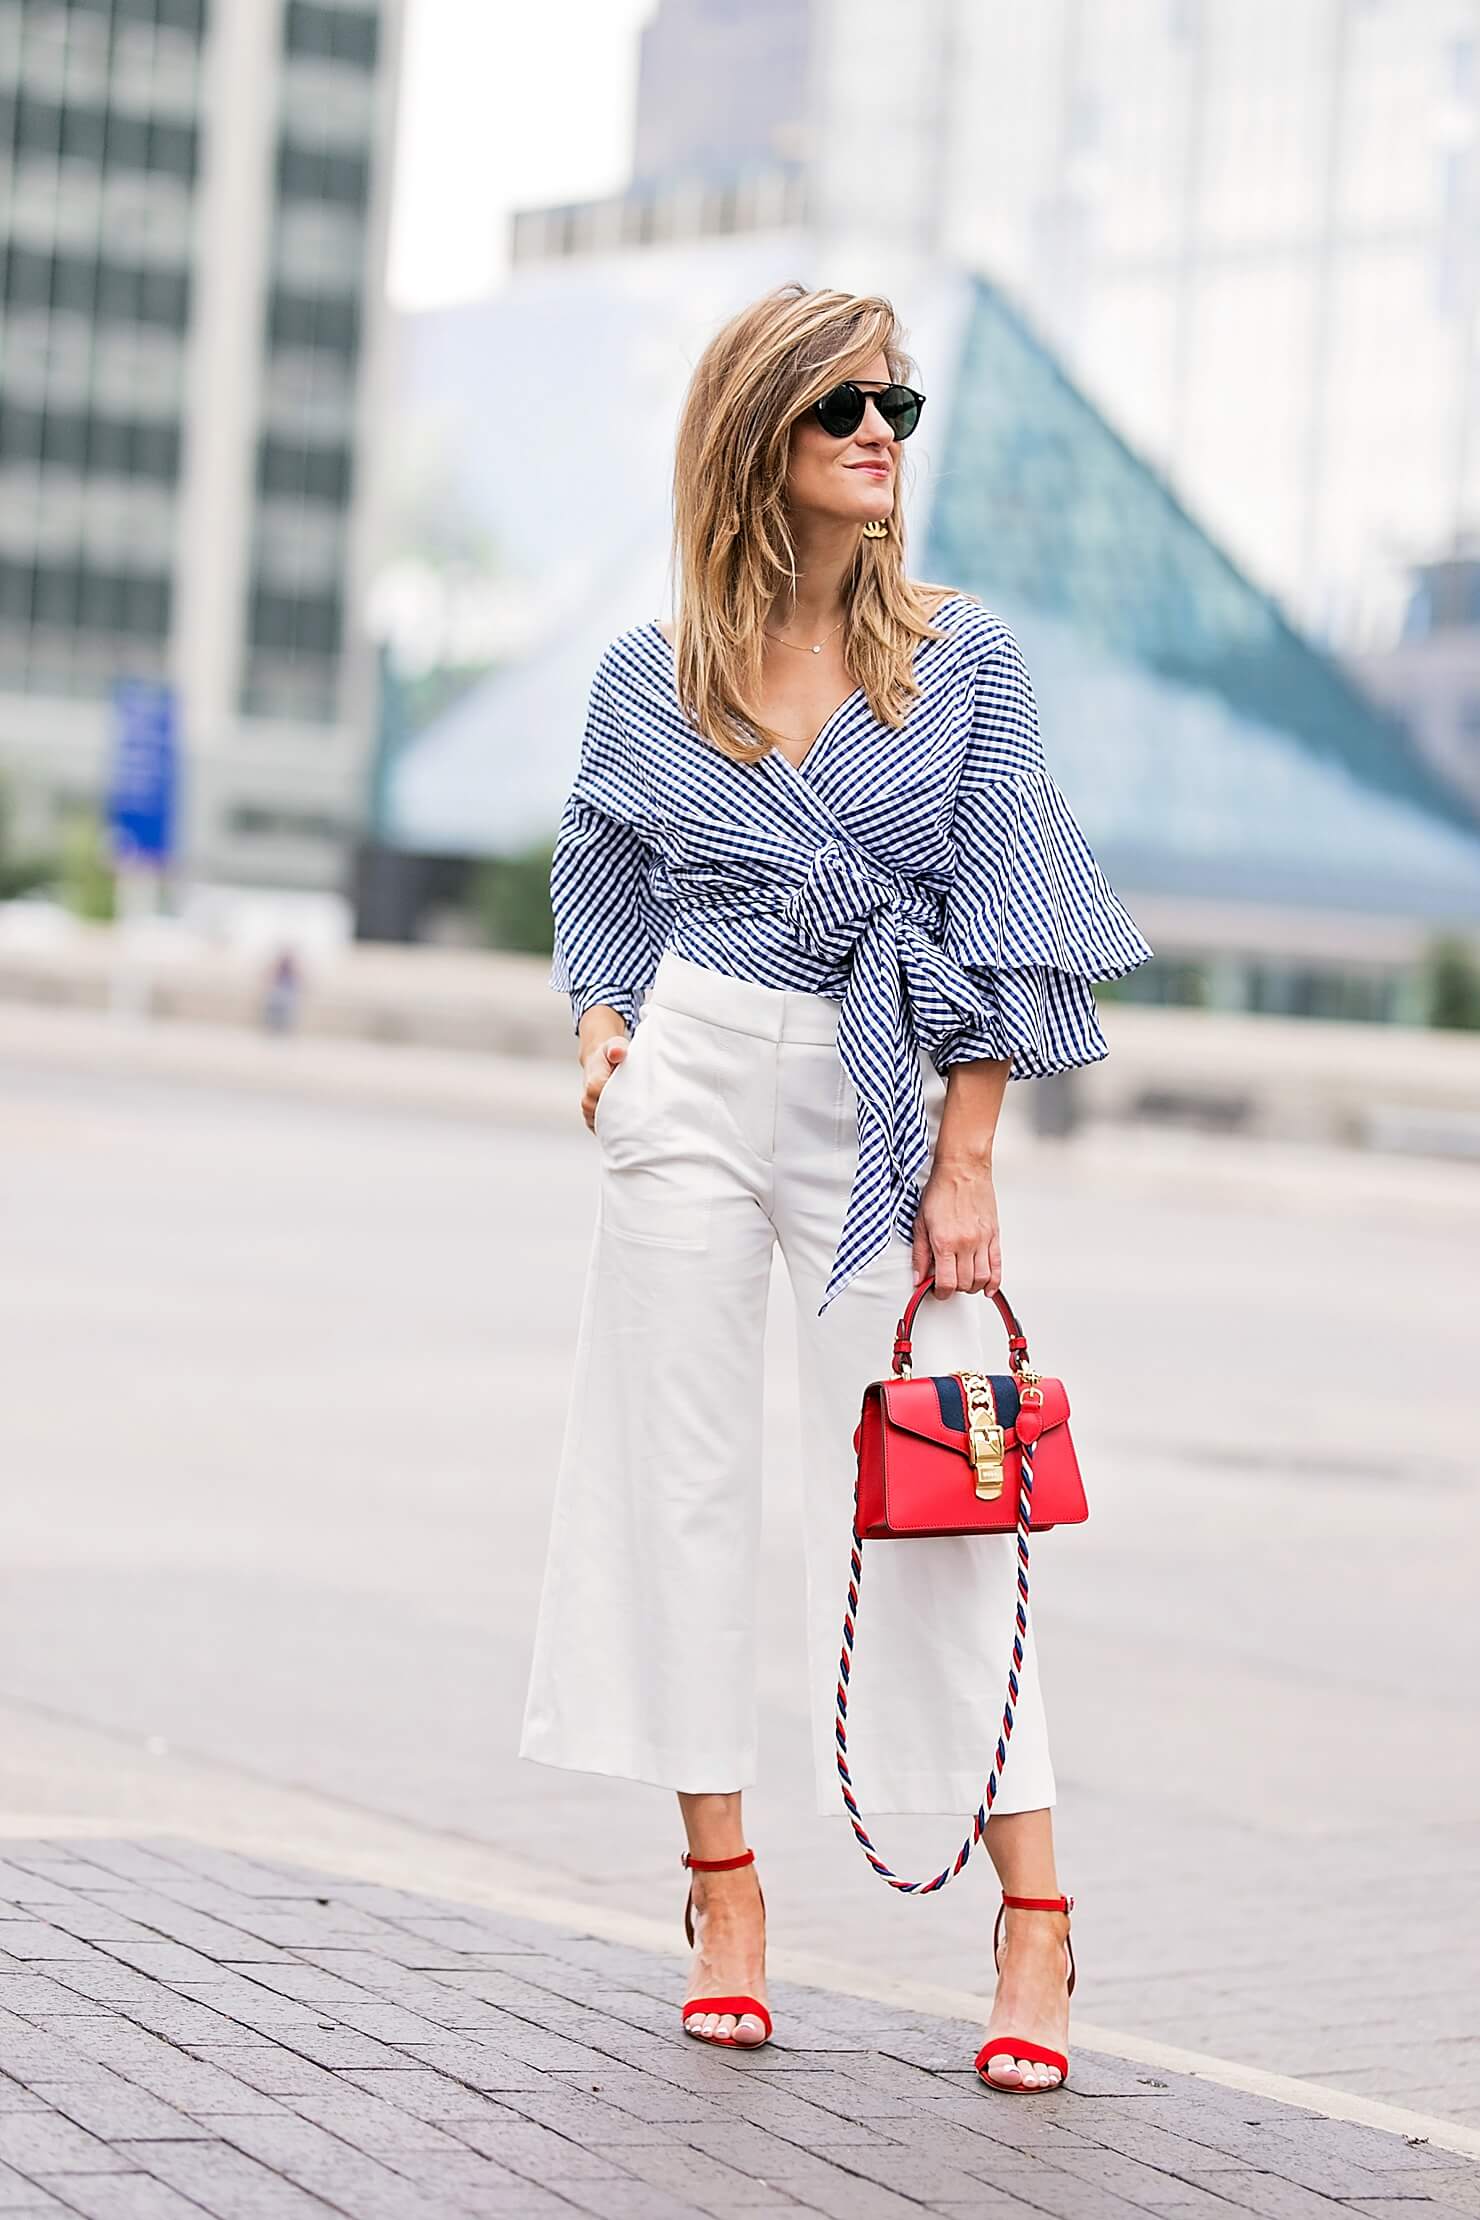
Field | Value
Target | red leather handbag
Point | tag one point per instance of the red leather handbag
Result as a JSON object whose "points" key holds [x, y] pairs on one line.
{"points": [[961, 1453]]}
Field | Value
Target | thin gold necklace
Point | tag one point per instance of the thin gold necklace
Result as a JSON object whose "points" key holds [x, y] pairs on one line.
{"points": [[803, 650]]}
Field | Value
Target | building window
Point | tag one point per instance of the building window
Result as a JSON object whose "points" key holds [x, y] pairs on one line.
{"points": [[63, 595], [74, 284], [16, 580], [38, 127], [260, 821], [88, 285], [1291, 990], [148, 607], [340, 175], [20, 433], [57, 590], [127, 141], [155, 451], [166, 15], [330, 324], [90, 445], [164, 298], [64, 441], [332, 34], [109, 449], [102, 602], [173, 148], [109, 136], [297, 624], [84, 134], [305, 472], [27, 279]]}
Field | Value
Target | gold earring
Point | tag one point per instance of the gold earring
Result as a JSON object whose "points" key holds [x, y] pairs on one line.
{"points": [[877, 529]]}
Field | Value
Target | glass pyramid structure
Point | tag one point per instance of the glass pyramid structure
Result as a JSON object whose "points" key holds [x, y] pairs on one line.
{"points": [[1208, 747]]}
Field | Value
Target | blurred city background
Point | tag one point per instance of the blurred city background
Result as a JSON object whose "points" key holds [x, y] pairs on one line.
{"points": [[341, 346]]}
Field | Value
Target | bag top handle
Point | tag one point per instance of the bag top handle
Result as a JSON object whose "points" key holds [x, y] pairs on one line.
{"points": [[1017, 1340]]}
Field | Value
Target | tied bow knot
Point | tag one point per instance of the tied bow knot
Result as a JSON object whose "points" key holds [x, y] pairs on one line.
{"points": [[849, 910], [904, 994], [837, 900]]}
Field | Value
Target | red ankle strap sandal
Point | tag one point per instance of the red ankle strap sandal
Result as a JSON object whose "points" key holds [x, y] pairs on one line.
{"points": [[748, 2006], [1015, 2046]]}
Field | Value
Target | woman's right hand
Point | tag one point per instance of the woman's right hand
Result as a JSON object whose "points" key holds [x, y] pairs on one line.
{"points": [[597, 1068]]}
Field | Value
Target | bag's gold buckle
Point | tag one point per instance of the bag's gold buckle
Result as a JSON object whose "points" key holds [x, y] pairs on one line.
{"points": [[985, 1437]]}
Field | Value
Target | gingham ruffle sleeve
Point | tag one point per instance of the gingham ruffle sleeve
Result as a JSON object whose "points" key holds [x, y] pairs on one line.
{"points": [[610, 924], [1030, 916]]}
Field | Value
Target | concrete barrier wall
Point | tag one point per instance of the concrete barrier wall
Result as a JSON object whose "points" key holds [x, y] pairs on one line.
{"points": [[1378, 1086]]}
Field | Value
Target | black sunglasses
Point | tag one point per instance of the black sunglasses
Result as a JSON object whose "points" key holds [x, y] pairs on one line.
{"points": [[842, 411]]}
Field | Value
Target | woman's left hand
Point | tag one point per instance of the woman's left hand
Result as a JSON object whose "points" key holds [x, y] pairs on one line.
{"points": [[956, 1233]]}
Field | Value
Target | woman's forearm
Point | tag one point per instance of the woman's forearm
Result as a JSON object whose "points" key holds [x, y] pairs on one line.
{"points": [[968, 1118], [600, 1023]]}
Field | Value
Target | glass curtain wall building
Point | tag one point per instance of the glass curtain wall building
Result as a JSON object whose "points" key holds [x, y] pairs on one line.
{"points": [[1252, 233], [192, 209], [100, 137]]}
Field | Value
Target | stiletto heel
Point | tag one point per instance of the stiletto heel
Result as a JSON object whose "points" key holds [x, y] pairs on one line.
{"points": [[999, 2046], [738, 2005]]}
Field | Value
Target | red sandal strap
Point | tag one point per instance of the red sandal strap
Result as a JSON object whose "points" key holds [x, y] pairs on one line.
{"points": [[711, 1865], [1010, 2046], [742, 2007], [1033, 1904]]}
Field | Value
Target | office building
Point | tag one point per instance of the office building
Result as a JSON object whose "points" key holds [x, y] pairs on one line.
{"points": [[1251, 232], [194, 199], [1431, 678], [758, 53], [723, 134]]}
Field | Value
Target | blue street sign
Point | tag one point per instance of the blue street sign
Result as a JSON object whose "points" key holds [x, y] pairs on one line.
{"points": [[144, 775]]}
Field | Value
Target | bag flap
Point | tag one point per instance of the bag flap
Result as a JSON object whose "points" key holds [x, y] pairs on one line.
{"points": [[934, 1409]]}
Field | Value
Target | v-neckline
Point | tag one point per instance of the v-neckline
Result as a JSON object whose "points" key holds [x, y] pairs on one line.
{"points": [[819, 735], [799, 770]]}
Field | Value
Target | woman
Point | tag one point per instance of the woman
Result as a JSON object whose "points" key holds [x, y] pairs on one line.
{"points": [[813, 827]]}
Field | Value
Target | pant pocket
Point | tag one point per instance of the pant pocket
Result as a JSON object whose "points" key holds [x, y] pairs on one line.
{"points": [[658, 1151], [845, 1114]]}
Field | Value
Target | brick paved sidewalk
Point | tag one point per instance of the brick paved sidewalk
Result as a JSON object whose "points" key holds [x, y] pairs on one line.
{"points": [[183, 2031]]}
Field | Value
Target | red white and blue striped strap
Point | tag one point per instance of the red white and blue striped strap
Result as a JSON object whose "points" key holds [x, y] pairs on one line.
{"points": [[845, 1667]]}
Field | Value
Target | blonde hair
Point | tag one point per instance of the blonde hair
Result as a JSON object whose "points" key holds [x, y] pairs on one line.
{"points": [[733, 552]]}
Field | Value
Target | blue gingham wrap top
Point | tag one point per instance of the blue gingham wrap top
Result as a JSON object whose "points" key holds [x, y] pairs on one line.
{"points": [[932, 879]]}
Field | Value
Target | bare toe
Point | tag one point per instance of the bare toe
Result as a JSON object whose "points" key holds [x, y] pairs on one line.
{"points": [[749, 2030]]}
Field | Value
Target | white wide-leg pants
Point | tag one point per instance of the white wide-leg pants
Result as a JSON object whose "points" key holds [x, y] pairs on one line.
{"points": [[731, 1125]]}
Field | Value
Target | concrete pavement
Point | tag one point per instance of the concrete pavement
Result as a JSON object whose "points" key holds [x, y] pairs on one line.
{"points": [[185, 2030], [277, 1443]]}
